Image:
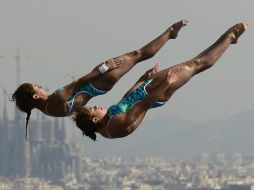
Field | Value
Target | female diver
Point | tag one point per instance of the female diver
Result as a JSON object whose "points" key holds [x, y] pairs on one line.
{"points": [[100, 80], [152, 90]]}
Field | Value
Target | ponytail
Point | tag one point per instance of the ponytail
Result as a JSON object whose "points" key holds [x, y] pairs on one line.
{"points": [[27, 119]]}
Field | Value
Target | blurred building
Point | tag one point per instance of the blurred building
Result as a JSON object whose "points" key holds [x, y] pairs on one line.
{"points": [[47, 154]]}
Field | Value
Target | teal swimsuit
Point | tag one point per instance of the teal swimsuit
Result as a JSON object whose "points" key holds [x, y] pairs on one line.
{"points": [[89, 89], [133, 98]]}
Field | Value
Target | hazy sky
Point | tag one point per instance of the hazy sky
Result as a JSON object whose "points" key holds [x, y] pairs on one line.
{"points": [[60, 37]]}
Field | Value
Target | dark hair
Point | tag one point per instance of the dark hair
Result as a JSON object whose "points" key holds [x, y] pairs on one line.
{"points": [[23, 97], [83, 119]]}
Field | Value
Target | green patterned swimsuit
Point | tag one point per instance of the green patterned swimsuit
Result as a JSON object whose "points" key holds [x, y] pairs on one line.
{"points": [[133, 98]]}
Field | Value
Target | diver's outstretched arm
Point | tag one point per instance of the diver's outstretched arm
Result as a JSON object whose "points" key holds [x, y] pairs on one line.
{"points": [[98, 71]]}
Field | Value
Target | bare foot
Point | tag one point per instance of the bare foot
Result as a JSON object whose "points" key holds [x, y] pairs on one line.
{"points": [[175, 28], [237, 30]]}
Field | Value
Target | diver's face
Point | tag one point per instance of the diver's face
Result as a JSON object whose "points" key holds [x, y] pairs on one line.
{"points": [[40, 92], [97, 112]]}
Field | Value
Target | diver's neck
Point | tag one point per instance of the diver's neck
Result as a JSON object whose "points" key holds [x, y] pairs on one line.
{"points": [[104, 123], [43, 105]]}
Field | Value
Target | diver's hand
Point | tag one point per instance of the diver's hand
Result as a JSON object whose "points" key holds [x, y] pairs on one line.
{"points": [[114, 63], [150, 72]]}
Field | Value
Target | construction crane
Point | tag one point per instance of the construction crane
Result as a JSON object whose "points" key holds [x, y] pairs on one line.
{"points": [[17, 58]]}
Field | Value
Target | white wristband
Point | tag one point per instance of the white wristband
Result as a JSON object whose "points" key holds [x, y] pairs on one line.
{"points": [[103, 68]]}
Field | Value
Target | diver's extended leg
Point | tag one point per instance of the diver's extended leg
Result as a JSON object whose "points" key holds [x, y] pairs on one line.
{"points": [[107, 81], [182, 73]]}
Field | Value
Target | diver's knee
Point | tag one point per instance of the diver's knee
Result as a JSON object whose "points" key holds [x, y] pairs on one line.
{"points": [[146, 54], [135, 53], [194, 63], [140, 55], [200, 64]]}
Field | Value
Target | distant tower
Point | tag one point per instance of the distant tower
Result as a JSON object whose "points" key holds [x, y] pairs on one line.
{"points": [[17, 57], [63, 130], [19, 150], [5, 132], [57, 129], [5, 115], [1, 143], [60, 133], [0, 117]]}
